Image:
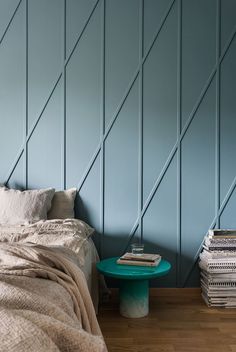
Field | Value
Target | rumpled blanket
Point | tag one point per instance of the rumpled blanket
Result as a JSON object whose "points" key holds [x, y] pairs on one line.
{"points": [[67, 233], [44, 301]]}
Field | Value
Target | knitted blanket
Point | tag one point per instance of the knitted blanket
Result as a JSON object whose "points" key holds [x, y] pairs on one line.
{"points": [[44, 301]]}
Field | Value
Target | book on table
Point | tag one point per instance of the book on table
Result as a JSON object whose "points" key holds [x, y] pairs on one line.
{"points": [[144, 259]]}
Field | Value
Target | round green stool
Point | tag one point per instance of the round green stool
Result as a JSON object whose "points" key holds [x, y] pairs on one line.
{"points": [[134, 287]]}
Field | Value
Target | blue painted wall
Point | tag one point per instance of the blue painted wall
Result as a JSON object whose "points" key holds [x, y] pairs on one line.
{"points": [[134, 103]]}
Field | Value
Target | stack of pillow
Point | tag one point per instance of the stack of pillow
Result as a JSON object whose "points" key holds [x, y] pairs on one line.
{"points": [[22, 207]]}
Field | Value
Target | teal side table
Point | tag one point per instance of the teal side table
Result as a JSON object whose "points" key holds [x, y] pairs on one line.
{"points": [[134, 287]]}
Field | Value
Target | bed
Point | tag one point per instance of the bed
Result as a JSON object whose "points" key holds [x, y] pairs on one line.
{"points": [[48, 285]]}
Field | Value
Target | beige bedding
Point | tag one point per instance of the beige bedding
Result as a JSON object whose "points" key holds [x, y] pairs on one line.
{"points": [[44, 301], [68, 233]]}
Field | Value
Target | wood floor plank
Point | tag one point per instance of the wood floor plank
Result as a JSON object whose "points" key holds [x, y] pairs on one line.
{"points": [[178, 321]]}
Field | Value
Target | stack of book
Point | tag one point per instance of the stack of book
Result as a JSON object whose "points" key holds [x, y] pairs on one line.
{"points": [[218, 268], [144, 259]]}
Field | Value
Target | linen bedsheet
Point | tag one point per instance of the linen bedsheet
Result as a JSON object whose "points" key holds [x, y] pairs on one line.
{"points": [[45, 304]]}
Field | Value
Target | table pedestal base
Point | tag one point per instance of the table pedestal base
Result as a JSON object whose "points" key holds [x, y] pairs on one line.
{"points": [[134, 298]]}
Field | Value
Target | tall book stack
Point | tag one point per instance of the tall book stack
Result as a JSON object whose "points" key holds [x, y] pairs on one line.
{"points": [[218, 268]]}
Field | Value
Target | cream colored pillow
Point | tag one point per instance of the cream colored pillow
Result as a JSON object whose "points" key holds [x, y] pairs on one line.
{"points": [[63, 205], [18, 207]]}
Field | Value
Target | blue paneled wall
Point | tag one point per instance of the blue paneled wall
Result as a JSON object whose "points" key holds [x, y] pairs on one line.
{"points": [[133, 102]]}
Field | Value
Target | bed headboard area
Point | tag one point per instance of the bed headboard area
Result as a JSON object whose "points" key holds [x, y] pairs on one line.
{"points": [[133, 104]]}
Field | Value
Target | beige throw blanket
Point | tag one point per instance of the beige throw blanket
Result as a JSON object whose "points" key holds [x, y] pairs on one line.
{"points": [[44, 302], [68, 233]]}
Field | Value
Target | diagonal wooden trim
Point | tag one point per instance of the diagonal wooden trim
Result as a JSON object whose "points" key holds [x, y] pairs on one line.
{"points": [[81, 34], [9, 23], [160, 178], [14, 165], [227, 197], [227, 45], [163, 20], [89, 167]]}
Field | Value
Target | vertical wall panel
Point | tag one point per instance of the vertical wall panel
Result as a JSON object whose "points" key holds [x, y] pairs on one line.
{"points": [[160, 102], [160, 222], [198, 171], [154, 11], [78, 65], [228, 122], [122, 50], [198, 50], [228, 20], [44, 160], [228, 218], [89, 197], [45, 52], [12, 92], [77, 14], [88, 201], [83, 99], [121, 174]]}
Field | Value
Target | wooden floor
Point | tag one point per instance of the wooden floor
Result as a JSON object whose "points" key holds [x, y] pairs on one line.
{"points": [[178, 321]]}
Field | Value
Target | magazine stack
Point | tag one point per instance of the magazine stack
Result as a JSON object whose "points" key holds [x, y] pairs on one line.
{"points": [[218, 268]]}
